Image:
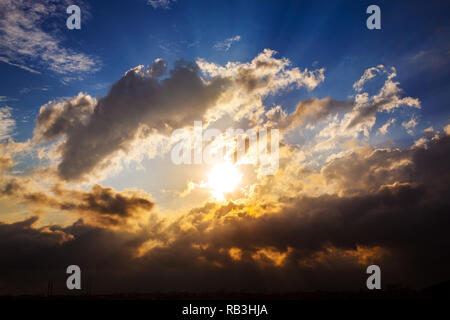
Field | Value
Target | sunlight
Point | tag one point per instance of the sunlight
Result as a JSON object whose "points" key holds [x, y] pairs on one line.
{"points": [[223, 178]]}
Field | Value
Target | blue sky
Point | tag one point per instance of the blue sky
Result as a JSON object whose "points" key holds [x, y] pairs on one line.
{"points": [[330, 34]]}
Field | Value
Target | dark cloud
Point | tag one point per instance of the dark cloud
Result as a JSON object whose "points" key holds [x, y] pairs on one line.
{"points": [[321, 242], [367, 170], [158, 68], [314, 110], [94, 133], [105, 205], [100, 205], [57, 119]]}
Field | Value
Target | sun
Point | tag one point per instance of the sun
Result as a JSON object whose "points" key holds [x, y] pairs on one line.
{"points": [[223, 178]]}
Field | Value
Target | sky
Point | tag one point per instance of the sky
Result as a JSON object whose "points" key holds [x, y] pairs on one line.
{"points": [[87, 137]]}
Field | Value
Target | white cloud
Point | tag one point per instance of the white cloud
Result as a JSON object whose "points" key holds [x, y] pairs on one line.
{"points": [[368, 74], [7, 123], [25, 44], [430, 129], [412, 123], [265, 74], [226, 44], [361, 119], [164, 4], [384, 128], [7, 61], [421, 143], [254, 80]]}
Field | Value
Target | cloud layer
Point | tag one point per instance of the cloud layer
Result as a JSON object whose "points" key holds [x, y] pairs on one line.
{"points": [[336, 204], [301, 243]]}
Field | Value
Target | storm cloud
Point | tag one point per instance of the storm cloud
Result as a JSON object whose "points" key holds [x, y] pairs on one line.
{"points": [[322, 242]]}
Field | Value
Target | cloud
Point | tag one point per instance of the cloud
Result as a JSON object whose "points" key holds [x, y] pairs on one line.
{"points": [[315, 224], [386, 100], [7, 61], [367, 170], [106, 205], [299, 243], [368, 74], [28, 90], [430, 59], [447, 129], [158, 68], [25, 43], [384, 128], [310, 111], [428, 130], [7, 123], [96, 131], [5, 98], [58, 118], [409, 125], [264, 72], [226, 44], [100, 205], [189, 188], [6, 163], [164, 4], [362, 117]]}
